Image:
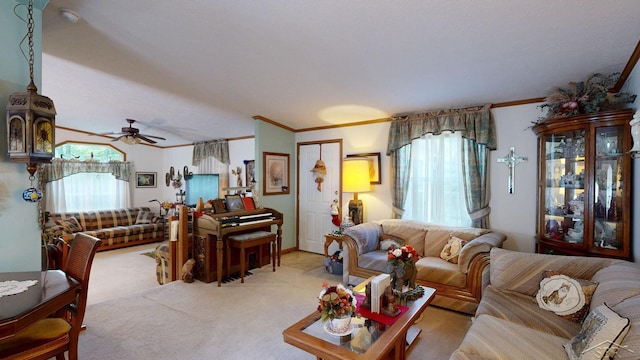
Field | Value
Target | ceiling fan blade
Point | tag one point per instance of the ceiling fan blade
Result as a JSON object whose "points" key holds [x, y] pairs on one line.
{"points": [[119, 137], [142, 137], [152, 136]]}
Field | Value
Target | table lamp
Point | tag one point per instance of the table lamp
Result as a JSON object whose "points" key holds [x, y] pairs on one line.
{"points": [[355, 179]]}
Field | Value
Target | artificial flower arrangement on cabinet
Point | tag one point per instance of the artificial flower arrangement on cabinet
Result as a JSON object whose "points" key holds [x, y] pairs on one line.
{"points": [[585, 97]]}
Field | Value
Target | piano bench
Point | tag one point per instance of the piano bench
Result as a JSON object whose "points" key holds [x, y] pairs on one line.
{"points": [[247, 240]]}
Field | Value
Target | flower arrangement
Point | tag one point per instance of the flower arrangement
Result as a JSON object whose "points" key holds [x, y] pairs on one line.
{"points": [[402, 256], [335, 301], [585, 97]]}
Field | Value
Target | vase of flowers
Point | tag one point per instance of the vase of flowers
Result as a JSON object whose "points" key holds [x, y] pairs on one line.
{"points": [[336, 305], [402, 266]]}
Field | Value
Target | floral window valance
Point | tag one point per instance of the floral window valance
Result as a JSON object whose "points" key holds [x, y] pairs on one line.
{"points": [[218, 149], [59, 168], [475, 123]]}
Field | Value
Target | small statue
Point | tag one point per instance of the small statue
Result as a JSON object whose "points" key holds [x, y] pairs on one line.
{"points": [[187, 271], [388, 303]]}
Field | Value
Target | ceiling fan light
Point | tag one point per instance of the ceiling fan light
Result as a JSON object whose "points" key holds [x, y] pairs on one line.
{"points": [[69, 16], [131, 140]]}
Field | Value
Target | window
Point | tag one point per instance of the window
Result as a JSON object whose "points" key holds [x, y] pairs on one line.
{"points": [[436, 190], [87, 183]]}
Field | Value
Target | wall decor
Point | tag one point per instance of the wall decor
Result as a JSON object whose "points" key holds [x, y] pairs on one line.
{"points": [[276, 173], [146, 179], [374, 166]]}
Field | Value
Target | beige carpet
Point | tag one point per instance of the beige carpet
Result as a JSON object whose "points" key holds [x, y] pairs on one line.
{"points": [[235, 321]]}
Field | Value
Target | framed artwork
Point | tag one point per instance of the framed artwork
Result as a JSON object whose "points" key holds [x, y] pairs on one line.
{"points": [[275, 180], [146, 179], [250, 172], [234, 202], [374, 166]]}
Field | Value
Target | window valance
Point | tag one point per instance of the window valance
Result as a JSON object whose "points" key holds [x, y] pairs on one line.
{"points": [[59, 168], [218, 149], [475, 123]]}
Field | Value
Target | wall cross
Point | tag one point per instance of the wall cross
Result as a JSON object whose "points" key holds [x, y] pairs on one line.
{"points": [[511, 160]]}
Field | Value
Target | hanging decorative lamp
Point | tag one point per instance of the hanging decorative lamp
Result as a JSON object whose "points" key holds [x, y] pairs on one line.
{"points": [[30, 119]]}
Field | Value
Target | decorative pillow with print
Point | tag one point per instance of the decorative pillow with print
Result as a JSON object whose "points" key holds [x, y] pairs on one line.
{"points": [[451, 250], [145, 217], [565, 296], [600, 337], [70, 225]]}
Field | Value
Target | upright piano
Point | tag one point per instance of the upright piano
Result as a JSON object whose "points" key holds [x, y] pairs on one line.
{"points": [[210, 231]]}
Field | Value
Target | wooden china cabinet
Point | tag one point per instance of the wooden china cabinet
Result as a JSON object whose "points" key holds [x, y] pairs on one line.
{"points": [[584, 185]]}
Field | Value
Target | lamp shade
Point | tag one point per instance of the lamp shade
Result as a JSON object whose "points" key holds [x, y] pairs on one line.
{"points": [[355, 175]]}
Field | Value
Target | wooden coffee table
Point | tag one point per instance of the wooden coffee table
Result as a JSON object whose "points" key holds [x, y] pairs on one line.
{"points": [[389, 341]]}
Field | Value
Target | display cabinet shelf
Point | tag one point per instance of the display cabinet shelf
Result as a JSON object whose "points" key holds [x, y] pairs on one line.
{"points": [[584, 178]]}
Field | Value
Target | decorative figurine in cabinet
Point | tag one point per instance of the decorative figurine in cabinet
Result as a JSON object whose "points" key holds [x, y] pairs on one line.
{"points": [[584, 179]]}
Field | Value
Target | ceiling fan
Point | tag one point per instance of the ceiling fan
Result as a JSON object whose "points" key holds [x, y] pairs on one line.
{"points": [[132, 135]]}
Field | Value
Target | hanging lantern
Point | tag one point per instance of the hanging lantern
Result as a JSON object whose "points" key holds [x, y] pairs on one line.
{"points": [[30, 121], [319, 171]]}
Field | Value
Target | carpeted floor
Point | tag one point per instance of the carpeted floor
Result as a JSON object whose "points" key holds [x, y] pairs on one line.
{"points": [[235, 321]]}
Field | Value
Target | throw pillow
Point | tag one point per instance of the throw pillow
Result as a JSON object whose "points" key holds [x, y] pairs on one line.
{"points": [[145, 217], [567, 297], [600, 337], [452, 249], [388, 240], [70, 224]]}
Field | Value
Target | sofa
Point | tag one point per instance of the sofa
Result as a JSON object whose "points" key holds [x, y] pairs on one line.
{"points": [[457, 276], [116, 228], [514, 319]]}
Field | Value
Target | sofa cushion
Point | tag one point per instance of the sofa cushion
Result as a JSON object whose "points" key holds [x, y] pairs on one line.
{"points": [[565, 296], [412, 231], [70, 225], [493, 338], [630, 347], [522, 309], [600, 337], [452, 249], [366, 235], [434, 269], [522, 272], [616, 283], [437, 237], [145, 217]]}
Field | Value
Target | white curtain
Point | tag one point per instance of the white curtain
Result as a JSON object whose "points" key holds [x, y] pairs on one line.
{"points": [[436, 185], [211, 165], [87, 191]]}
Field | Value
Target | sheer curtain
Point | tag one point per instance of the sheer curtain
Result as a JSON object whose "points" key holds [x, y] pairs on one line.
{"points": [[87, 191], [436, 187]]}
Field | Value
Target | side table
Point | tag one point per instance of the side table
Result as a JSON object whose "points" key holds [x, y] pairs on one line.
{"points": [[330, 238]]}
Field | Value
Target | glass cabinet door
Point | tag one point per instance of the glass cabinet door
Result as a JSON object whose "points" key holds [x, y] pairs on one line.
{"points": [[564, 190], [608, 188]]}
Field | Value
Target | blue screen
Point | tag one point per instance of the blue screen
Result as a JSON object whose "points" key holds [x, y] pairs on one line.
{"points": [[203, 186]]}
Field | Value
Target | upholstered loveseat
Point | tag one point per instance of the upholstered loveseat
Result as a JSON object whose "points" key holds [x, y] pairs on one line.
{"points": [[116, 228], [510, 323], [458, 280]]}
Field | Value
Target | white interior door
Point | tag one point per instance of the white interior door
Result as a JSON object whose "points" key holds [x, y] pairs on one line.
{"points": [[314, 206]]}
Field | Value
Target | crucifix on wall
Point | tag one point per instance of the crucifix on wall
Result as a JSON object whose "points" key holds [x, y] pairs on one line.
{"points": [[511, 160]]}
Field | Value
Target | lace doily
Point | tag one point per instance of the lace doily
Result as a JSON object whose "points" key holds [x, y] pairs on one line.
{"points": [[12, 287]]}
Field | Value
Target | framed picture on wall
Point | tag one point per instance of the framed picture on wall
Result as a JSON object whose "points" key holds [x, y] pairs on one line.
{"points": [[275, 179], [374, 166], [146, 179], [234, 202]]}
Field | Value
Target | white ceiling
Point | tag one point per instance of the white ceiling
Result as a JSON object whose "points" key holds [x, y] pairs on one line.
{"points": [[201, 69]]}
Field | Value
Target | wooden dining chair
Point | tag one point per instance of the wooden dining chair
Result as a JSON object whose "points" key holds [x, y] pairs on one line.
{"points": [[56, 335]]}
